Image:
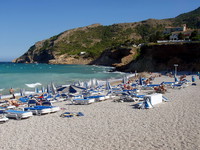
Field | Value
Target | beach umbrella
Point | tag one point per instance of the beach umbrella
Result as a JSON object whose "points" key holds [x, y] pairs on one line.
{"points": [[79, 83], [74, 89], [108, 86], [193, 79], [48, 89], [96, 83], [92, 83], [36, 90], [124, 80], [64, 89], [22, 92], [175, 79], [53, 89], [43, 90], [140, 81], [86, 85]]}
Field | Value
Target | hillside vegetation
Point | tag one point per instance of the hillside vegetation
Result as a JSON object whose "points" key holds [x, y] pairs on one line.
{"points": [[87, 45]]}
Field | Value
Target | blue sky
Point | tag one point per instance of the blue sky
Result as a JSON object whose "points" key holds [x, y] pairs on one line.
{"points": [[24, 22]]}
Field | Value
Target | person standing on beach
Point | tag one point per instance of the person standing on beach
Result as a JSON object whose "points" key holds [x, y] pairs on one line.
{"points": [[12, 92]]}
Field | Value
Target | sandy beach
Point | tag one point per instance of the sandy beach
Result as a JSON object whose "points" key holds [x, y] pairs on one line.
{"points": [[112, 125]]}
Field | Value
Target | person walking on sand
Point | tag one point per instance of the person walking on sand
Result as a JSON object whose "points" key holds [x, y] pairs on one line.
{"points": [[12, 92]]}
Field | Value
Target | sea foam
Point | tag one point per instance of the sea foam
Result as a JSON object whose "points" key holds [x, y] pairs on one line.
{"points": [[33, 85]]}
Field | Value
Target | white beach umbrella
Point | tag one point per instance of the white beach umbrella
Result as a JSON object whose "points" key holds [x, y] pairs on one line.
{"points": [[86, 85], [36, 90], [43, 89], [48, 89], [96, 83], [79, 83], [108, 86], [22, 92], [125, 79], [53, 89]]}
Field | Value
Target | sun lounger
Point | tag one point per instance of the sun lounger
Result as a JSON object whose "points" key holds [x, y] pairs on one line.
{"points": [[17, 114], [53, 108], [24, 99], [33, 102], [97, 97], [38, 110], [59, 98], [3, 118], [131, 97], [7, 107], [165, 99], [83, 101], [177, 86]]}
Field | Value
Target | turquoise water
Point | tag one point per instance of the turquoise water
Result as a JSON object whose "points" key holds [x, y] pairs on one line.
{"points": [[18, 75]]}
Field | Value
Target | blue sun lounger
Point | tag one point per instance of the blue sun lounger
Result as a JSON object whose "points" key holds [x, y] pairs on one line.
{"points": [[38, 110], [96, 97], [16, 114], [53, 108], [83, 101]]}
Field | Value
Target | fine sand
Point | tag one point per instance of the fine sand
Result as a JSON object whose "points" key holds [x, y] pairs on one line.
{"points": [[112, 125]]}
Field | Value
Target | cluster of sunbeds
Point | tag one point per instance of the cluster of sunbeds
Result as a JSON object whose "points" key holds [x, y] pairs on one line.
{"points": [[41, 103], [25, 108], [156, 90]]}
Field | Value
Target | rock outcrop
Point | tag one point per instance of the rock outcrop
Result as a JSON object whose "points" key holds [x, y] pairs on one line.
{"points": [[163, 57]]}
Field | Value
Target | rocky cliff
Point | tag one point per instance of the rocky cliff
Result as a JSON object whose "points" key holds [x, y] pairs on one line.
{"points": [[163, 57]]}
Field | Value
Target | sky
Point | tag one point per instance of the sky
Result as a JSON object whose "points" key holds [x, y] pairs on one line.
{"points": [[25, 22]]}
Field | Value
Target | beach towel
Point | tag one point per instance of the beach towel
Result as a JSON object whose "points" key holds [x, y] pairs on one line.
{"points": [[71, 114]]}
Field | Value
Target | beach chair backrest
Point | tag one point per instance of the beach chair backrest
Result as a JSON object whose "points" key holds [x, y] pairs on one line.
{"points": [[32, 103], [46, 103]]}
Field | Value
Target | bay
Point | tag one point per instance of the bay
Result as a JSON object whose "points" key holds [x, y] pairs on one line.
{"points": [[19, 76]]}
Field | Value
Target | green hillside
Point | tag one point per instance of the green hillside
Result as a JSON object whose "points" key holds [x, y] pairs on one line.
{"points": [[192, 19], [95, 39]]}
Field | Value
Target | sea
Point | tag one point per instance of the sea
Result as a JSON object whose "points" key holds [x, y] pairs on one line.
{"points": [[30, 76]]}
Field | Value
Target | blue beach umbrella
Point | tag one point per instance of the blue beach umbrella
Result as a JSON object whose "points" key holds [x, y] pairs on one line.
{"points": [[48, 89], [43, 90], [175, 79], [193, 79], [140, 81], [36, 90]]}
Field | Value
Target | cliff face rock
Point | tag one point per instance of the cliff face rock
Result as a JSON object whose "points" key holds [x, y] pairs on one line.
{"points": [[36, 57], [115, 57], [72, 59], [163, 57]]}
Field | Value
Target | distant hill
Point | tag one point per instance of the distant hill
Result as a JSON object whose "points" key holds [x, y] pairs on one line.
{"points": [[192, 19], [113, 45]]}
